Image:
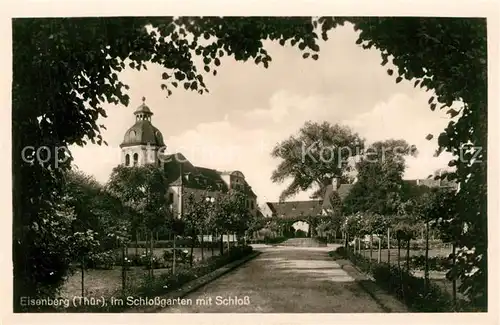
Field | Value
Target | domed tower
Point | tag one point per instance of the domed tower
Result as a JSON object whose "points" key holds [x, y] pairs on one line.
{"points": [[142, 141]]}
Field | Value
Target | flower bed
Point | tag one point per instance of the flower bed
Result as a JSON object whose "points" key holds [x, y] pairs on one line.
{"points": [[167, 282], [406, 287]]}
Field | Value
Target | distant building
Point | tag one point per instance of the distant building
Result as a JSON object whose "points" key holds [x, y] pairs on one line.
{"points": [[300, 209], [143, 143], [265, 210]]}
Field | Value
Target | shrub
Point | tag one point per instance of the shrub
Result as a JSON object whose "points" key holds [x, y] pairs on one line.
{"points": [[435, 263], [135, 260], [403, 285], [411, 289], [102, 260], [181, 255], [167, 282], [322, 240], [300, 234], [145, 261]]}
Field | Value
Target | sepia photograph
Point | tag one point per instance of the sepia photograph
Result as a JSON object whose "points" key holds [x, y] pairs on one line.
{"points": [[250, 164]]}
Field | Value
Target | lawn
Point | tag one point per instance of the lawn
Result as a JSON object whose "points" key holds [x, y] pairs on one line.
{"points": [[105, 283]]}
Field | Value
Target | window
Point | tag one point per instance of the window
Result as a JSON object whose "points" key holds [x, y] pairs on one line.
{"points": [[136, 159], [252, 206], [127, 160], [170, 198]]}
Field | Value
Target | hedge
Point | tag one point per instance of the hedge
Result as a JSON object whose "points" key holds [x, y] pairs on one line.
{"points": [[269, 240], [179, 243]]}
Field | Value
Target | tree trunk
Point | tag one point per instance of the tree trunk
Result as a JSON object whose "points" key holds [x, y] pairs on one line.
{"points": [[173, 255], [426, 269], [228, 244], [192, 250], [371, 247], [151, 241], [221, 244], [201, 245], [146, 238], [408, 255], [399, 253], [83, 275], [212, 244], [389, 246], [123, 269], [136, 243], [379, 250], [454, 279]]}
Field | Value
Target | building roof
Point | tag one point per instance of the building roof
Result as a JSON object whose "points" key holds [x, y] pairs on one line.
{"points": [[194, 176], [143, 108], [296, 209], [142, 133], [342, 192]]}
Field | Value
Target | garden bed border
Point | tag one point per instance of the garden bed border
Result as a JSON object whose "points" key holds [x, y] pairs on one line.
{"points": [[197, 283]]}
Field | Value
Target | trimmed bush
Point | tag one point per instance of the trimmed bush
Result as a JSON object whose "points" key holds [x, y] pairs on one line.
{"points": [[435, 263], [102, 260], [181, 255]]}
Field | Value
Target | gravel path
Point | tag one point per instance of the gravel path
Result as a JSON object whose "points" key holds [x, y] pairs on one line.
{"points": [[282, 280]]}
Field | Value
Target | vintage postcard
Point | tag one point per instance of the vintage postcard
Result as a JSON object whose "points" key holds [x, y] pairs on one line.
{"points": [[320, 164]]}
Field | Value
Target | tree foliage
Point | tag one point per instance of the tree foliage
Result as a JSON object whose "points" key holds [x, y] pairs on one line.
{"points": [[379, 188], [319, 152], [232, 214], [144, 189]]}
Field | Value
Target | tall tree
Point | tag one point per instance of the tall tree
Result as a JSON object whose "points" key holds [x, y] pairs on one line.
{"points": [[195, 216], [379, 188], [144, 188], [317, 154]]}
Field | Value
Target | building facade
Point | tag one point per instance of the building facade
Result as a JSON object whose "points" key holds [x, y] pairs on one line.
{"points": [[143, 144]]}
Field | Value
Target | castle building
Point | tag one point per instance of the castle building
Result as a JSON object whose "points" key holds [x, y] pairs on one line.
{"points": [[143, 144]]}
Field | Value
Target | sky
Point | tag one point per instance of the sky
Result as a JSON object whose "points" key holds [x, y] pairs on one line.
{"points": [[249, 109]]}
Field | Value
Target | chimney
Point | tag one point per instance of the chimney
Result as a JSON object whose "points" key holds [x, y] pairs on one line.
{"points": [[335, 183]]}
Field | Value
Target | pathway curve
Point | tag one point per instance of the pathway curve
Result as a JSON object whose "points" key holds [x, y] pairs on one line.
{"points": [[282, 280]]}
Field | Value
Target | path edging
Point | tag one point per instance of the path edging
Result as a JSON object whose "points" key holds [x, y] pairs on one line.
{"points": [[198, 283]]}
